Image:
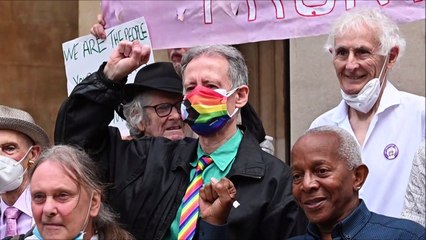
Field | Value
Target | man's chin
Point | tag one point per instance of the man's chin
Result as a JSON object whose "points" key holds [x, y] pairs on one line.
{"points": [[174, 135]]}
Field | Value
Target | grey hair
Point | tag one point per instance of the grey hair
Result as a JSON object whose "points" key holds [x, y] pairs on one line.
{"points": [[134, 112], [348, 148], [238, 73], [385, 30], [81, 169]]}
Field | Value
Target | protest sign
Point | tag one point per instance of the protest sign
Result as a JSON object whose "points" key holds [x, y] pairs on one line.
{"points": [[191, 23], [84, 55]]}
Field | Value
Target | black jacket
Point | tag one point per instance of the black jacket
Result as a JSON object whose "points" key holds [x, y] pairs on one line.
{"points": [[149, 176]]}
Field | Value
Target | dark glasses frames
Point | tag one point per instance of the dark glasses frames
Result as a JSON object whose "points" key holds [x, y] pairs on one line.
{"points": [[164, 109]]}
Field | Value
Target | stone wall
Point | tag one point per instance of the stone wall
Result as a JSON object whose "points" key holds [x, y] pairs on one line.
{"points": [[31, 64]]}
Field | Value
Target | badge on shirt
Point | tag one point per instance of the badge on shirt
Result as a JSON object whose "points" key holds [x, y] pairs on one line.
{"points": [[391, 151]]}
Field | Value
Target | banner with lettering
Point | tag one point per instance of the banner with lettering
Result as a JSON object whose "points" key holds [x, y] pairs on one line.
{"points": [[84, 55], [182, 23]]}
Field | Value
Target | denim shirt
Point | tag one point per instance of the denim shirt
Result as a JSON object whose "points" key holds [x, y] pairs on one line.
{"points": [[363, 224]]}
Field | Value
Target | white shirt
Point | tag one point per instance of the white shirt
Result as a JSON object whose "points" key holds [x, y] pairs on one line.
{"points": [[25, 220], [397, 127]]}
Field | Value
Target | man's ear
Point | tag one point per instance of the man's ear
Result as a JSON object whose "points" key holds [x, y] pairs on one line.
{"points": [[360, 174], [33, 155], [36, 150], [241, 97], [393, 56], [141, 126]]}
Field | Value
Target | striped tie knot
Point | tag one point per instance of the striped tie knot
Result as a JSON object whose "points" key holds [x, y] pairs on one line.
{"points": [[203, 162], [190, 205]]}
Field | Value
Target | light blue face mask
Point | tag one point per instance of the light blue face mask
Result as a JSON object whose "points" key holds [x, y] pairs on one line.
{"points": [[38, 235]]}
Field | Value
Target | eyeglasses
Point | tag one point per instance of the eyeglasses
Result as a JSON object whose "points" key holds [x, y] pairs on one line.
{"points": [[164, 109]]}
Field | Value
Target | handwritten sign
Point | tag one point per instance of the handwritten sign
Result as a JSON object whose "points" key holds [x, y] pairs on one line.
{"points": [[187, 23], [84, 55]]}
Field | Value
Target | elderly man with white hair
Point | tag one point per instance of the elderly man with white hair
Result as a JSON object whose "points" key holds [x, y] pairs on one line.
{"points": [[388, 124]]}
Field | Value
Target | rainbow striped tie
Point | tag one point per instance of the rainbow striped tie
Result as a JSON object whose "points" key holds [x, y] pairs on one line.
{"points": [[190, 206]]}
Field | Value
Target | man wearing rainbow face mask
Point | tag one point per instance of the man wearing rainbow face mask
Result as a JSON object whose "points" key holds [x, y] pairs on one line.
{"points": [[249, 117], [154, 179]]}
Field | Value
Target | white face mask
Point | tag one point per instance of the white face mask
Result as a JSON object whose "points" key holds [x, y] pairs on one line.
{"points": [[367, 97], [11, 173]]}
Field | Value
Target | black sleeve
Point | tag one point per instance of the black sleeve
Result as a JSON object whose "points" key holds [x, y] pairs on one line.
{"points": [[290, 218], [284, 218], [84, 116]]}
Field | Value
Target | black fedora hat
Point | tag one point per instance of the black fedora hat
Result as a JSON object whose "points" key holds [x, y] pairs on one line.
{"points": [[160, 76]]}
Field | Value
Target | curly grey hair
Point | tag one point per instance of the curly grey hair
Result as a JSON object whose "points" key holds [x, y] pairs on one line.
{"points": [[135, 113]]}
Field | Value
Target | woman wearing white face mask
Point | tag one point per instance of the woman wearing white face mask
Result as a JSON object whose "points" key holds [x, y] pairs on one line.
{"points": [[66, 198], [21, 141]]}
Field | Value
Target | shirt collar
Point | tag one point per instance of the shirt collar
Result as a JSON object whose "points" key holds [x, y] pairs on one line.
{"points": [[224, 155], [354, 223], [23, 203], [341, 112], [349, 227], [391, 96]]}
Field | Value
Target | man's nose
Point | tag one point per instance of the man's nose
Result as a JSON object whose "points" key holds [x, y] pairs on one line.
{"points": [[49, 207], [352, 62], [309, 183]]}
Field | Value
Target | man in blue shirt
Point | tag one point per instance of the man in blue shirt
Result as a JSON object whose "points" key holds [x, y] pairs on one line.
{"points": [[327, 174]]}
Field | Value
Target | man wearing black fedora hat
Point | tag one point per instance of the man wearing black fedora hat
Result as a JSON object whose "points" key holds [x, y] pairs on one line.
{"points": [[153, 179], [21, 142], [151, 105]]}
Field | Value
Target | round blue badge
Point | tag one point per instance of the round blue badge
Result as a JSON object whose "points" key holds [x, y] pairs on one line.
{"points": [[391, 151]]}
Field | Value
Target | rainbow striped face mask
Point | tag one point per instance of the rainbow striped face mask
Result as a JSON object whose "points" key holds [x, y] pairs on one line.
{"points": [[205, 110]]}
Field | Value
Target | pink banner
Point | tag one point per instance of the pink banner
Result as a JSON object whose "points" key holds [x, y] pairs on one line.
{"points": [[181, 23]]}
